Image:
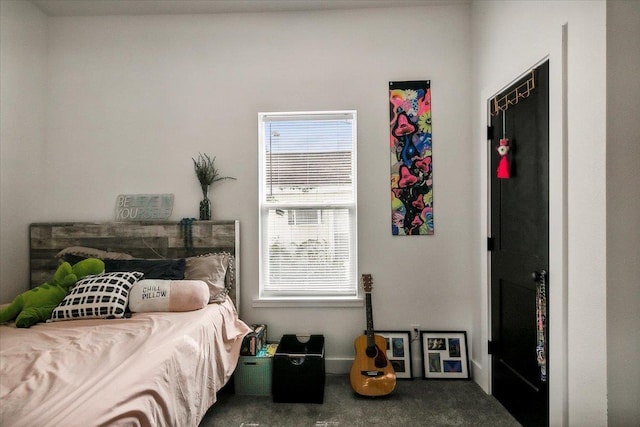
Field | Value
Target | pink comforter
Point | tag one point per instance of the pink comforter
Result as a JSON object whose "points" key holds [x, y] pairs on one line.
{"points": [[154, 369]]}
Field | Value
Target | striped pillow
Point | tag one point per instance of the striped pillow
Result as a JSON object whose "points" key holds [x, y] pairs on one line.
{"points": [[103, 296]]}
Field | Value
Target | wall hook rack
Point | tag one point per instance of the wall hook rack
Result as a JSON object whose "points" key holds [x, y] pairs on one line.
{"points": [[502, 103]]}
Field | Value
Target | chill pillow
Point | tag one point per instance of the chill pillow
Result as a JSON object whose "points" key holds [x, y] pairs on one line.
{"points": [[168, 269], [211, 269], [168, 295], [103, 296]]}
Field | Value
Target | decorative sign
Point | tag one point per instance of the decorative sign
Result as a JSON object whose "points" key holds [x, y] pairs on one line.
{"points": [[141, 207]]}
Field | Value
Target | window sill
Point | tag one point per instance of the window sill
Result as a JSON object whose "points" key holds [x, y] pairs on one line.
{"points": [[308, 302]]}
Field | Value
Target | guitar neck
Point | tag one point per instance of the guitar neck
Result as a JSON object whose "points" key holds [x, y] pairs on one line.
{"points": [[370, 339], [367, 283]]}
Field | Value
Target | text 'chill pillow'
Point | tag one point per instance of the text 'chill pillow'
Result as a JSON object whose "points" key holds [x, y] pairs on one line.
{"points": [[168, 295]]}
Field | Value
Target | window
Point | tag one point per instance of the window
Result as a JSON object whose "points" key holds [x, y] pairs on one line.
{"points": [[308, 205]]}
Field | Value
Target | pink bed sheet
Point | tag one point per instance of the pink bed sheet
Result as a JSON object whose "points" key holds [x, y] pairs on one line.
{"points": [[154, 369]]}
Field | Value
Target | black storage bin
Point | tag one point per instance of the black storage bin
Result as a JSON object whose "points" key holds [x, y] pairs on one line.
{"points": [[298, 370]]}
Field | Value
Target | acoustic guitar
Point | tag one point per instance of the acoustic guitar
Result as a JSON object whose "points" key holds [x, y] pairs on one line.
{"points": [[371, 373]]}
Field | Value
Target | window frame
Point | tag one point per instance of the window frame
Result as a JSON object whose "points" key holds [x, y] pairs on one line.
{"points": [[266, 299]]}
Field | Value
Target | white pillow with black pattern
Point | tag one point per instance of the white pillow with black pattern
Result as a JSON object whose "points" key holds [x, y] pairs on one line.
{"points": [[102, 296]]}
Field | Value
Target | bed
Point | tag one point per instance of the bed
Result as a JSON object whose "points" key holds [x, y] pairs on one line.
{"points": [[145, 369]]}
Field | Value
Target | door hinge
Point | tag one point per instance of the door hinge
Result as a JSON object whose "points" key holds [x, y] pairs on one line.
{"points": [[489, 133], [490, 347], [490, 244]]}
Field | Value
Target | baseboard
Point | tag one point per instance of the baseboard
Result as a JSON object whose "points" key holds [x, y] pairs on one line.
{"points": [[342, 366], [338, 366], [479, 376]]}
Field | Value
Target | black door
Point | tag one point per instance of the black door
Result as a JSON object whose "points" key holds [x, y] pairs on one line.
{"points": [[519, 245]]}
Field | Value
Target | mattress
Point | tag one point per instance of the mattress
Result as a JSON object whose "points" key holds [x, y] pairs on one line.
{"points": [[153, 369]]}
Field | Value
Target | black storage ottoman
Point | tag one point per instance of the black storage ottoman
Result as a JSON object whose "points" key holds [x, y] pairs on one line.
{"points": [[298, 370]]}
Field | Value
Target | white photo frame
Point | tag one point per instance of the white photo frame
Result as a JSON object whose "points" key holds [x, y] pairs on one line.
{"points": [[444, 355], [398, 352]]}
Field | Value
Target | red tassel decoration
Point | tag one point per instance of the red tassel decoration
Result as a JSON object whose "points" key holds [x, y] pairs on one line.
{"points": [[503, 164]]}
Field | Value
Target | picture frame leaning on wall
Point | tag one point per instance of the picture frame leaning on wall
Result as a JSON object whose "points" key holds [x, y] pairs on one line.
{"points": [[444, 354], [398, 352]]}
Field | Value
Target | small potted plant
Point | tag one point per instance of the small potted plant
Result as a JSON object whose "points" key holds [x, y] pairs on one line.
{"points": [[207, 174]]}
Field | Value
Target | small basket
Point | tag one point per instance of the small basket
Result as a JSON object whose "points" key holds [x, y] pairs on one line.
{"points": [[253, 376]]}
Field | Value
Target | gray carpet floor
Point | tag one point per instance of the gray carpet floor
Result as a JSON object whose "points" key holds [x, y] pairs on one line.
{"points": [[416, 402]]}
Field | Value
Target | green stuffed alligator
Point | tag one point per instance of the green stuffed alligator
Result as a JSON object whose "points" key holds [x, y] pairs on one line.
{"points": [[37, 304]]}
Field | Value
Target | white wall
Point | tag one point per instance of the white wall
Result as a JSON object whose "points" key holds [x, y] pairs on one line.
{"points": [[121, 104], [623, 212], [22, 123], [509, 38], [130, 101]]}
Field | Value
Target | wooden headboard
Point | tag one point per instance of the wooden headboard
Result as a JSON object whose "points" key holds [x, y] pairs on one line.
{"points": [[143, 239]]}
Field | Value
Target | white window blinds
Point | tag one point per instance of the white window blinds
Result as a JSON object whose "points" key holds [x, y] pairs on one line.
{"points": [[308, 204]]}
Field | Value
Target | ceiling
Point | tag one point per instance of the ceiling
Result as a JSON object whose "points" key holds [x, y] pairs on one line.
{"points": [[182, 7]]}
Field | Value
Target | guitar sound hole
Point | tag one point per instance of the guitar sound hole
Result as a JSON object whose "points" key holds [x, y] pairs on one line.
{"points": [[371, 352]]}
